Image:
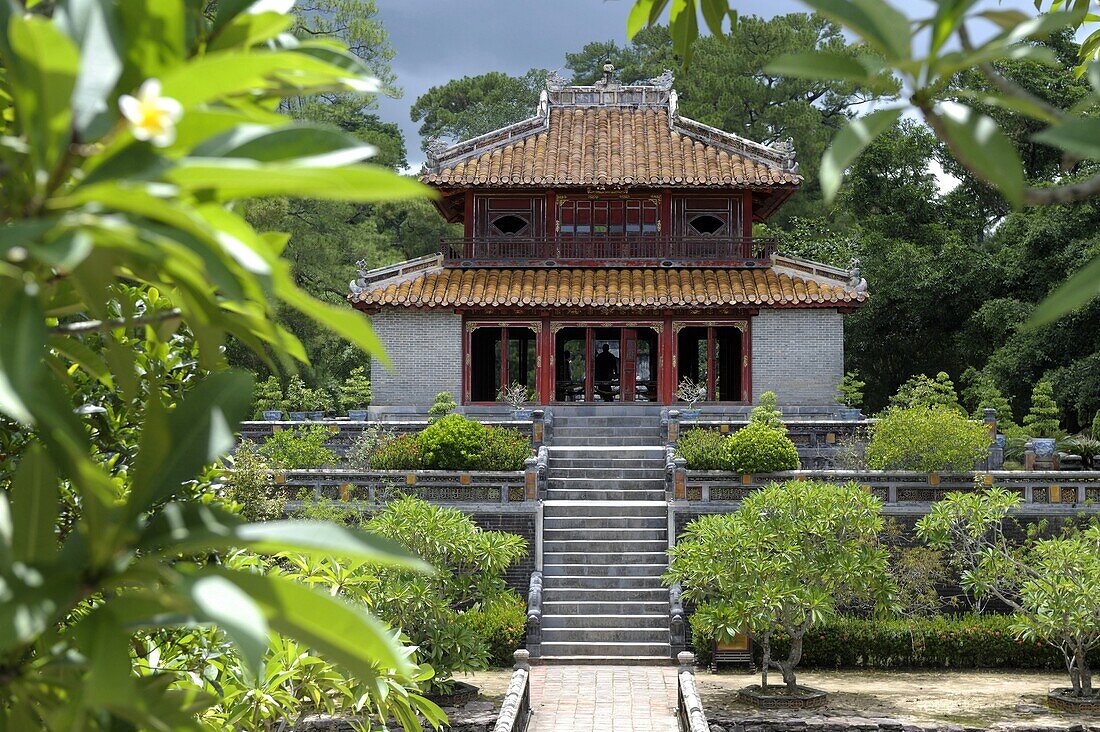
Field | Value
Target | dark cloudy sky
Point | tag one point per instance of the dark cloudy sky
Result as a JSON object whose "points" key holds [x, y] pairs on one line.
{"points": [[440, 40]]}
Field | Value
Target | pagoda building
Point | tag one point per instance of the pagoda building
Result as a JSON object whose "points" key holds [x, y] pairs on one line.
{"points": [[607, 255]]}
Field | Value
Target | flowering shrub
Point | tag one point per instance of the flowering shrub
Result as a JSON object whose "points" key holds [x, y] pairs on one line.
{"points": [[505, 449], [397, 452], [759, 448], [926, 439], [453, 443], [704, 450]]}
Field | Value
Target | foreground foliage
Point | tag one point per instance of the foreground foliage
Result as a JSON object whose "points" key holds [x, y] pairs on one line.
{"points": [[1051, 583], [780, 564]]}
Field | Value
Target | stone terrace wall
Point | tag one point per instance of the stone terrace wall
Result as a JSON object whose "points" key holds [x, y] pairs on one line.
{"points": [[425, 348], [798, 354]]}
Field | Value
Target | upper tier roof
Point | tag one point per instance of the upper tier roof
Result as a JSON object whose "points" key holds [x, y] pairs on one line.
{"points": [[611, 135]]}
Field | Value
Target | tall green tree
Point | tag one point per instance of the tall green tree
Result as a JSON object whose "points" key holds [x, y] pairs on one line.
{"points": [[474, 105]]}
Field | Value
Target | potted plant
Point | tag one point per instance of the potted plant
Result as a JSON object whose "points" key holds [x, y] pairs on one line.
{"points": [[850, 396], [690, 392], [268, 398], [1041, 421], [311, 403], [355, 394], [517, 395]]}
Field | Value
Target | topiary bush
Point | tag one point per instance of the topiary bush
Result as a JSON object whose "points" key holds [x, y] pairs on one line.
{"points": [[299, 449], [355, 392], [443, 405], [760, 448], [704, 450], [501, 623], [453, 443], [1042, 419], [396, 452], [505, 449], [926, 439]]}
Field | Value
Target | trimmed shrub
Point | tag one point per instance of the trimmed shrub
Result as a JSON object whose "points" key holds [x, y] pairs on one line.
{"points": [[397, 452], [501, 623], [453, 443], [767, 412], [505, 449], [1042, 419], [299, 449], [921, 391], [364, 446], [758, 448], [443, 405], [355, 392], [967, 641], [704, 450], [267, 396], [926, 439]]}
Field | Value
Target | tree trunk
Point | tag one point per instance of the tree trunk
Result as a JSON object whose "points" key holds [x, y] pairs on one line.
{"points": [[1084, 675], [787, 667], [766, 660]]}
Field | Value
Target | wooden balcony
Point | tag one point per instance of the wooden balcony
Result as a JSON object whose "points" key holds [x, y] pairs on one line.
{"points": [[635, 250]]}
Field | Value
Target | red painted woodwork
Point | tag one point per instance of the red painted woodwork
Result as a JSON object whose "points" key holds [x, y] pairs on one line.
{"points": [[628, 368]]}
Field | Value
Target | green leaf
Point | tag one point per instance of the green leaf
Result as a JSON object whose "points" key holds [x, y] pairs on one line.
{"points": [[714, 14], [250, 29], [345, 322], [7, 528], [34, 504], [1080, 289], [345, 634], [198, 432], [949, 13], [235, 179], [1079, 137], [1005, 19], [821, 65], [42, 76], [848, 144], [683, 26], [1013, 104], [644, 13], [981, 146], [155, 39], [878, 23], [231, 609], [307, 143], [22, 338], [107, 648], [96, 28]]}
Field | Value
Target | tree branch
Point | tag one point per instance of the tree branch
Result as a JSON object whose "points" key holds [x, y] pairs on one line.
{"points": [[92, 326]]}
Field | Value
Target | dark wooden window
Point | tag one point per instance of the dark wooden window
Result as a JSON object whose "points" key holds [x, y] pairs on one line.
{"points": [[603, 217], [501, 216], [706, 215]]}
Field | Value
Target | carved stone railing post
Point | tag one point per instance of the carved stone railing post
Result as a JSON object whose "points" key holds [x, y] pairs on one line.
{"points": [[530, 479], [547, 426], [673, 434], [996, 459], [675, 476], [538, 428], [676, 624], [515, 709], [534, 616], [689, 707], [542, 464]]}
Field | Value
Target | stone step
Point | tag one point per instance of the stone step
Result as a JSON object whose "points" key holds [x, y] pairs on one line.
{"points": [[630, 471], [616, 557], [652, 621], [617, 452], [556, 481], [605, 660], [600, 649], [604, 570], [640, 435], [604, 441], [568, 542], [625, 540], [573, 582], [628, 595], [589, 608], [605, 635], [606, 419], [560, 494], [604, 522], [604, 508]]}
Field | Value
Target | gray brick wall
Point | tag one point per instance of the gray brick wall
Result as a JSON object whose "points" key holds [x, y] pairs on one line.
{"points": [[798, 354], [425, 348]]}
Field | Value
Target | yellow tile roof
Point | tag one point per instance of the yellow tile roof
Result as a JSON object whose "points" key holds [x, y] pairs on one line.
{"points": [[605, 288], [597, 146]]}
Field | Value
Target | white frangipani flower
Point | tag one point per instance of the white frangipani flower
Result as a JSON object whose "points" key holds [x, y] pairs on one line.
{"points": [[271, 6], [365, 84], [151, 116]]}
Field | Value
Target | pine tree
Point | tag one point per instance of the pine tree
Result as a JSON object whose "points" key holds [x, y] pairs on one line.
{"points": [[921, 391], [1042, 419]]}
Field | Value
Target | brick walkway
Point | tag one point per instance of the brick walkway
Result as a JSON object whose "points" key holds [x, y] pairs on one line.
{"points": [[603, 699]]}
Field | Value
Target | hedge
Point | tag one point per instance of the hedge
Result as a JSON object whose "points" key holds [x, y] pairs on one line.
{"points": [[968, 641]]}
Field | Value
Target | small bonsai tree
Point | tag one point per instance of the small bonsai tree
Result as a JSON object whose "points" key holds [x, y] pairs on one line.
{"points": [[690, 392], [268, 396], [781, 563], [850, 390], [921, 391], [767, 412], [926, 439], [443, 405], [1052, 583], [516, 395], [1042, 419], [355, 392], [301, 398]]}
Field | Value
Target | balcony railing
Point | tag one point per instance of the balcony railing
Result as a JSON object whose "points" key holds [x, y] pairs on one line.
{"points": [[637, 250]]}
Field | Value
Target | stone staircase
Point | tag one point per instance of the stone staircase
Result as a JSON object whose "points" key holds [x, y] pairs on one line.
{"points": [[605, 532]]}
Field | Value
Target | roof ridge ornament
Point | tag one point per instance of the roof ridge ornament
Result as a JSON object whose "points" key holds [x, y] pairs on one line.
{"points": [[435, 147], [555, 81], [786, 149], [663, 81]]}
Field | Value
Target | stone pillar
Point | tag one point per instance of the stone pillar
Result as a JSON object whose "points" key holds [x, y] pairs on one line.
{"points": [[996, 458]]}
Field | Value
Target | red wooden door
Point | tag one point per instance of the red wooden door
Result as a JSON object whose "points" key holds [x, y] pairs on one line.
{"points": [[629, 367]]}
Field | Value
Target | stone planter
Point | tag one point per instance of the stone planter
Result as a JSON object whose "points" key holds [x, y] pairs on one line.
{"points": [[776, 697], [460, 694], [298, 416], [850, 413], [273, 415], [690, 415], [523, 414], [1062, 698], [357, 415], [317, 416], [1045, 447]]}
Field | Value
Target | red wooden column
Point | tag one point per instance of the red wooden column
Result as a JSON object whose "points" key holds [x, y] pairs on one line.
{"points": [[666, 362], [746, 361], [545, 363]]}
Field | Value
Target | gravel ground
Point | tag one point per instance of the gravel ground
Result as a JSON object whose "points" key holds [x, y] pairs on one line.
{"points": [[970, 698]]}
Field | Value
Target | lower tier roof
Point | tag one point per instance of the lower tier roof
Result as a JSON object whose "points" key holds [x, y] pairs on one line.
{"points": [[453, 287]]}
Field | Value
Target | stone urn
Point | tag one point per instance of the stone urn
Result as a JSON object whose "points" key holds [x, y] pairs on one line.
{"points": [[1045, 448]]}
